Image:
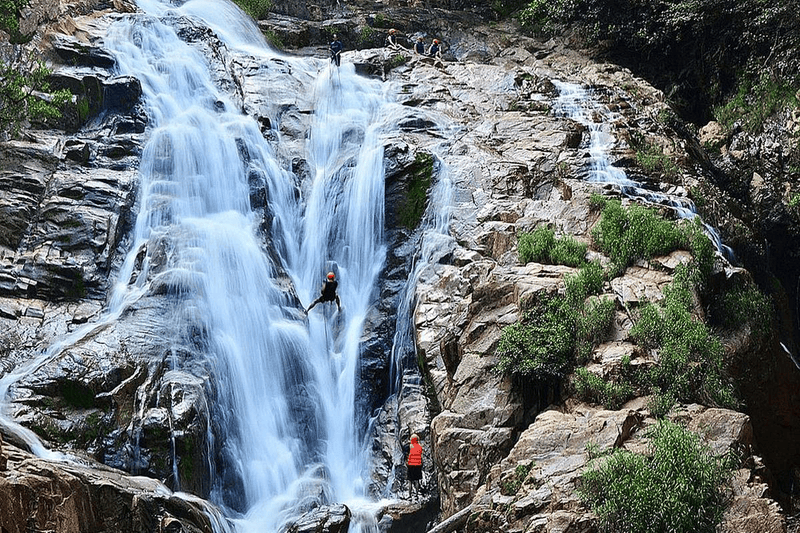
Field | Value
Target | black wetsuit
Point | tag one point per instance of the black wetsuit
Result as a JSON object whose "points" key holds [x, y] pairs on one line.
{"points": [[328, 294], [336, 52]]}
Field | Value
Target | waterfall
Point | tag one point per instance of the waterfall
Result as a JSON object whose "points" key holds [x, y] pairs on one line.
{"points": [[434, 242], [576, 102], [284, 383]]}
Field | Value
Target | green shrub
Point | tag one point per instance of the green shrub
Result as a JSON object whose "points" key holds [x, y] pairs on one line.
{"points": [[637, 232], [20, 79], [535, 247], [568, 251], [745, 307], [541, 246], [597, 202], [689, 357], [592, 388], [754, 101], [588, 281], [675, 488], [512, 486], [593, 326], [257, 9], [544, 344], [652, 158], [540, 346]]}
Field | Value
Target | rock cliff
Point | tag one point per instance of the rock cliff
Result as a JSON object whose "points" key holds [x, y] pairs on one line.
{"points": [[486, 117]]}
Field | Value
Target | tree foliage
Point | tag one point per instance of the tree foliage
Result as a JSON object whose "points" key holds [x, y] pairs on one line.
{"points": [[23, 77], [697, 51]]}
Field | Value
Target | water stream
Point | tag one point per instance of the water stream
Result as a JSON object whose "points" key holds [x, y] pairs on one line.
{"points": [[285, 382], [578, 103]]}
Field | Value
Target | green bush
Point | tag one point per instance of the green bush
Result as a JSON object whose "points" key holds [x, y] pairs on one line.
{"points": [[653, 159], [588, 281], [568, 251], [689, 357], [592, 388], [746, 306], [754, 101], [512, 486], [535, 247], [637, 232], [544, 344], [541, 345], [257, 9], [541, 246], [593, 326], [19, 81], [675, 488]]}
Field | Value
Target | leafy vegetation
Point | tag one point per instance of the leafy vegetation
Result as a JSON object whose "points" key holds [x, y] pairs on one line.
{"points": [[541, 246], [690, 366], [694, 50], [554, 330], [676, 487], [413, 206], [511, 487], [744, 306], [23, 75], [754, 101], [540, 346], [652, 158], [9, 20], [257, 9], [593, 388], [637, 232]]}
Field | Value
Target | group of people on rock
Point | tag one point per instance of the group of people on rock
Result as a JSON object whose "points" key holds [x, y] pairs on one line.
{"points": [[392, 43]]}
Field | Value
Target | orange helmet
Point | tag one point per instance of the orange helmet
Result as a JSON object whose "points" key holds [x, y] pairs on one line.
{"points": [[331, 275]]}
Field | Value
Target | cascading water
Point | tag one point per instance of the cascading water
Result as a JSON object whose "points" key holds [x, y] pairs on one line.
{"points": [[575, 102], [285, 385]]}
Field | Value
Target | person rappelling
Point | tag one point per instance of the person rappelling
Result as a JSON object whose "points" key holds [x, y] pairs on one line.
{"points": [[328, 293], [336, 50]]}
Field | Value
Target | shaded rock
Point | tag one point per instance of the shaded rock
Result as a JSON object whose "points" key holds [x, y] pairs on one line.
{"points": [[69, 497]]}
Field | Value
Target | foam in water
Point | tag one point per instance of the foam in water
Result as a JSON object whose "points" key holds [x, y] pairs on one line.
{"points": [[285, 385]]}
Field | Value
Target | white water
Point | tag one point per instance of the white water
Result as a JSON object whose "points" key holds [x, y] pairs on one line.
{"points": [[577, 103], [285, 384]]}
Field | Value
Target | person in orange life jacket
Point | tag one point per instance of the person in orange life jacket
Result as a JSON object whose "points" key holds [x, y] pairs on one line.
{"points": [[328, 293], [414, 466]]}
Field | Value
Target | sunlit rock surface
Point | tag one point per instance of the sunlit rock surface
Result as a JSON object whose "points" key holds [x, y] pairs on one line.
{"points": [[66, 203]]}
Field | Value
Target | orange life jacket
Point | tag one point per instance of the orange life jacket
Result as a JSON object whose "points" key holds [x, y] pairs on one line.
{"points": [[415, 454]]}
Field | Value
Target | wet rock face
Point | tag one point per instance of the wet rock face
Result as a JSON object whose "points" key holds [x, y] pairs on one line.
{"points": [[45, 496], [514, 167]]}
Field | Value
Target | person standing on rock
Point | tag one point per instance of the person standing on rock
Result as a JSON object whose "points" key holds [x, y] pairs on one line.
{"points": [[336, 50], [414, 467], [328, 293]]}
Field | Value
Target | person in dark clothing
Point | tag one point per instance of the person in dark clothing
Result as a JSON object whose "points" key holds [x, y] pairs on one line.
{"points": [[391, 40], [328, 293], [434, 50], [419, 46], [336, 50]]}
